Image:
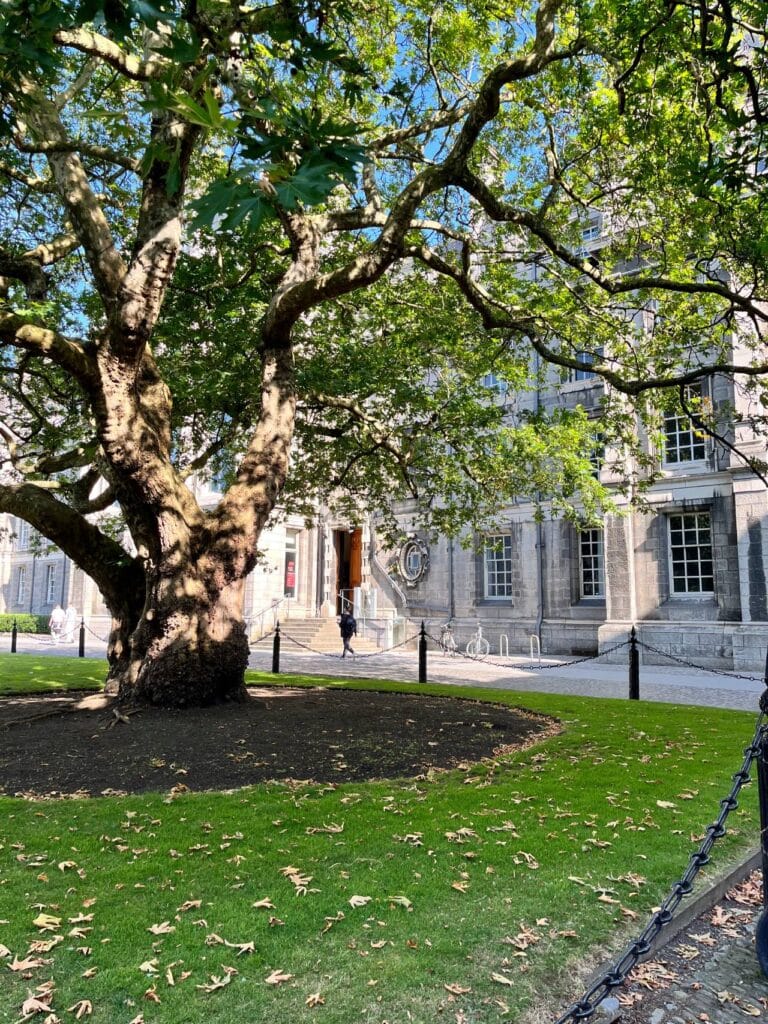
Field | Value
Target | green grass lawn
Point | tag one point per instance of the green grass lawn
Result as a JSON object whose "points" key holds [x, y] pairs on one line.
{"points": [[46, 673], [468, 893]]}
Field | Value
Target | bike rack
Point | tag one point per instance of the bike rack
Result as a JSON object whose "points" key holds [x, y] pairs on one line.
{"points": [[535, 645], [503, 646]]}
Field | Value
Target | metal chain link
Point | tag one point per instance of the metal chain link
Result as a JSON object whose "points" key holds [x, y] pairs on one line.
{"points": [[103, 639], [699, 668], [531, 667], [617, 974], [328, 654]]}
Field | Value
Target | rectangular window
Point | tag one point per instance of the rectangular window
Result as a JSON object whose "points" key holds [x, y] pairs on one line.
{"points": [[682, 441], [690, 547], [22, 535], [50, 584], [585, 371], [590, 229], [591, 563], [495, 383], [21, 584], [289, 578], [498, 566]]}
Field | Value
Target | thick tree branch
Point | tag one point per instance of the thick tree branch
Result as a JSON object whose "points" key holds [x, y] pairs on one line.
{"points": [[610, 284], [85, 212], [113, 570], [103, 153], [108, 51], [65, 352]]}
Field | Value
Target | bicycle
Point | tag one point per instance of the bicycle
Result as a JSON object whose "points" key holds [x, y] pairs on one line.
{"points": [[478, 646], [447, 640]]}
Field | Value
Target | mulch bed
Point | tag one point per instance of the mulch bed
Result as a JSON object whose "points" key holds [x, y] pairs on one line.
{"points": [[78, 744]]}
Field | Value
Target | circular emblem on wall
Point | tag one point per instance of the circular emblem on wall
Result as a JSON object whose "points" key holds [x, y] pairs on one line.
{"points": [[414, 560]]}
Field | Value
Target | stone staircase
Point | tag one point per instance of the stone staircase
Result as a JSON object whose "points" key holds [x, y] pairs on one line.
{"points": [[321, 635]]}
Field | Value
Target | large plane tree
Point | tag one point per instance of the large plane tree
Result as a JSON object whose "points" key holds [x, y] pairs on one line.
{"points": [[286, 242]]}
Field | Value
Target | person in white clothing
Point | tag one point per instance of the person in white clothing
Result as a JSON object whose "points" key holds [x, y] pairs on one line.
{"points": [[56, 623], [70, 624]]}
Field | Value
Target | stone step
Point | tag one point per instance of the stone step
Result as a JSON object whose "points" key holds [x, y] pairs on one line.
{"points": [[320, 635]]}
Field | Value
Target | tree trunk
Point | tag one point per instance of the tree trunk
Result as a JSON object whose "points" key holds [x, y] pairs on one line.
{"points": [[190, 646]]}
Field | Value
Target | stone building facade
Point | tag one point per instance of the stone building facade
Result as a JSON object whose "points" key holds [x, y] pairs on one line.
{"points": [[689, 571]]}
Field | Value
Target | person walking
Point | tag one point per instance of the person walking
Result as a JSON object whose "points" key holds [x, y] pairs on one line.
{"points": [[56, 623], [348, 629], [70, 624]]}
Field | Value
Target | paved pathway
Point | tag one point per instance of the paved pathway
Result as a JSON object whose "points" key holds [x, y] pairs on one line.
{"points": [[593, 678], [672, 685]]}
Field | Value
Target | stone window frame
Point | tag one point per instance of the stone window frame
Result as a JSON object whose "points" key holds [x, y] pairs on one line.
{"points": [[591, 563], [50, 583], [490, 542], [21, 584], [698, 561], [689, 446]]}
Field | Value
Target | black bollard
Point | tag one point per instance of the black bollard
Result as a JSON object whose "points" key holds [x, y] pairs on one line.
{"points": [[14, 635], [81, 646], [422, 654], [634, 666], [276, 650], [761, 932]]}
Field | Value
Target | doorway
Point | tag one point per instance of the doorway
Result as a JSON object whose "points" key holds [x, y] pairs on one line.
{"points": [[348, 545]]}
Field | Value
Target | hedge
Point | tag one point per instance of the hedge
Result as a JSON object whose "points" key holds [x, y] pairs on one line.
{"points": [[25, 623]]}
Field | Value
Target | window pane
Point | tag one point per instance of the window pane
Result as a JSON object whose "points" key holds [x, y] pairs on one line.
{"points": [[498, 566], [690, 539]]}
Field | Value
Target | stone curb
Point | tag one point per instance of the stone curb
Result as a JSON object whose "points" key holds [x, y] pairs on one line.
{"points": [[706, 900], [609, 1010]]}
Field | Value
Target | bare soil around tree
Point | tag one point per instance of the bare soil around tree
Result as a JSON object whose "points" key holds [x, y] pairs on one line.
{"points": [[85, 745]]}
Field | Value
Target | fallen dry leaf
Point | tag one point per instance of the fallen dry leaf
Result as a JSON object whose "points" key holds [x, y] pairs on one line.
{"points": [[215, 983], [359, 901], [4, 951], [457, 990], [82, 1008], [165, 928], [189, 905], [265, 904], [149, 967], [277, 978], [44, 945], [29, 963], [46, 922], [502, 979], [241, 947], [33, 1004], [314, 999]]}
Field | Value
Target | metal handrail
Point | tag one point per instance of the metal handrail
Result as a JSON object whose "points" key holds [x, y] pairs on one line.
{"points": [[259, 616]]}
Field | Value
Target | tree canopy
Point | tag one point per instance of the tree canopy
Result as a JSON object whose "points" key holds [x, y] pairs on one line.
{"points": [[287, 242]]}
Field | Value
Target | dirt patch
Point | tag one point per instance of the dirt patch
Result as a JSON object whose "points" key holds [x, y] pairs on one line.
{"points": [[78, 745]]}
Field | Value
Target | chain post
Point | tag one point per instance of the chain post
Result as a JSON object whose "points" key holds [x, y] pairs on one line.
{"points": [[276, 650], [634, 666], [14, 636], [422, 653], [81, 640]]}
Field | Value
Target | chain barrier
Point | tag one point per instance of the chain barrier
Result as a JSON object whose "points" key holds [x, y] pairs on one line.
{"points": [[699, 668], [357, 657], [523, 667], [264, 636], [617, 974], [103, 639]]}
